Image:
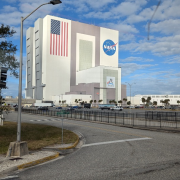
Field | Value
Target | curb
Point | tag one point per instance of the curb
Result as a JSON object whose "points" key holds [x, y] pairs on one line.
{"points": [[39, 161], [73, 146]]}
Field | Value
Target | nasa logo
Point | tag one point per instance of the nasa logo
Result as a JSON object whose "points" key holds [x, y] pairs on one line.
{"points": [[109, 47]]}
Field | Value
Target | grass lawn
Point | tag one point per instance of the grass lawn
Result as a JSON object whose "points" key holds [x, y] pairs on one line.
{"points": [[37, 136]]}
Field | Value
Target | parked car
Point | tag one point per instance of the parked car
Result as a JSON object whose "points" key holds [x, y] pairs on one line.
{"points": [[119, 108], [131, 107], [70, 108], [88, 105], [44, 108], [161, 107], [139, 106], [105, 107], [59, 108], [76, 107]]}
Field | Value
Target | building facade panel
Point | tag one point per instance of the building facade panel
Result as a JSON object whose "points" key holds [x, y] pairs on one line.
{"points": [[107, 48]]}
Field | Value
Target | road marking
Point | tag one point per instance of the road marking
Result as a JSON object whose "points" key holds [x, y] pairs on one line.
{"points": [[118, 141], [10, 177], [44, 120], [107, 130]]}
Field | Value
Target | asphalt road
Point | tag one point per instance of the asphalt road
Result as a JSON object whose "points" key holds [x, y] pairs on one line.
{"points": [[109, 152]]}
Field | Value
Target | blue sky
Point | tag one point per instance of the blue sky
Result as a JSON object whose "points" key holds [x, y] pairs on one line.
{"points": [[151, 66]]}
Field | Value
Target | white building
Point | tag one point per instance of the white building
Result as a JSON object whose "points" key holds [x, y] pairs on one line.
{"points": [[137, 100], [8, 97], [70, 58]]}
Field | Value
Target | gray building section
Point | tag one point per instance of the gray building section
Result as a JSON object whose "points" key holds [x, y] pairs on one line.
{"points": [[38, 59], [123, 91], [85, 54], [94, 90], [29, 64], [83, 88], [77, 27], [110, 94]]}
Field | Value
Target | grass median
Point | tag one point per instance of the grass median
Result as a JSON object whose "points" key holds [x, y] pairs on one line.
{"points": [[37, 136]]}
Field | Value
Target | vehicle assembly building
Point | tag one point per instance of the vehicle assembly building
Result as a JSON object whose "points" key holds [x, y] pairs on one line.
{"points": [[69, 58]]}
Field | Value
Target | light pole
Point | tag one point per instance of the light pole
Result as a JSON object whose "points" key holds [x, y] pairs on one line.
{"points": [[53, 2], [130, 88]]}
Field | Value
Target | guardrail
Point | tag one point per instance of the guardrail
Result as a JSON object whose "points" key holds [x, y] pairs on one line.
{"points": [[148, 119]]}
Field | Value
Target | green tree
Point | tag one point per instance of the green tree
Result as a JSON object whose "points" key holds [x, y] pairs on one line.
{"points": [[161, 101], [148, 101], [178, 102], [129, 103], [91, 101], [100, 100], [166, 101], [76, 101], [155, 103], [143, 100], [8, 50], [120, 102], [125, 99]]}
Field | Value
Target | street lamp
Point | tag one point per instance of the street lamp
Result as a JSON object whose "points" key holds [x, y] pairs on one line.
{"points": [[53, 2], [130, 88]]}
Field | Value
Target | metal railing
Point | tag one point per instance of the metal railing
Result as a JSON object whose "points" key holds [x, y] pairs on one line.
{"points": [[148, 119]]}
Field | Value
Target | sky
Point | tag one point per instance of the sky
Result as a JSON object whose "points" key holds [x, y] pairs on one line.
{"points": [[149, 65]]}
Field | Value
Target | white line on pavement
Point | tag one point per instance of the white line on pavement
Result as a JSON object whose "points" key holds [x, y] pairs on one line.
{"points": [[10, 177], [118, 141]]}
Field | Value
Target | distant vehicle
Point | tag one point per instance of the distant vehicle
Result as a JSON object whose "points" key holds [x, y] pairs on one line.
{"points": [[70, 108], [88, 105], [59, 108], [139, 107], [76, 107], [131, 107], [43, 104], [105, 106], [161, 107], [43, 108], [119, 108]]}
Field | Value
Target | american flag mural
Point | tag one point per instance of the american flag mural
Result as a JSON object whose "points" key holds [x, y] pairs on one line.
{"points": [[59, 38]]}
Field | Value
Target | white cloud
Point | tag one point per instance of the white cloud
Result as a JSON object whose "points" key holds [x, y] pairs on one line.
{"points": [[162, 46], [99, 4], [129, 68], [123, 9], [140, 59], [173, 60], [169, 26], [126, 32], [9, 8]]}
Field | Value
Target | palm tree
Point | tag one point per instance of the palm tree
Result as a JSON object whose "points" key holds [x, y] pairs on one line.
{"points": [[155, 103], [166, 101], [143, 100], [76, 101], [125, 99], [129, 103], [100, 100], [91, 101], [120, 102], [178, 102], [161, 101]]}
